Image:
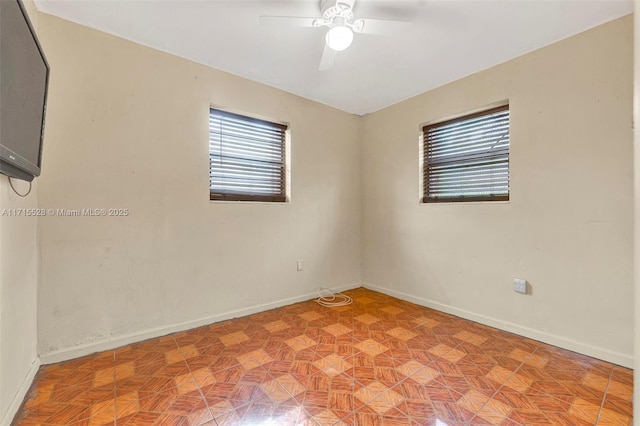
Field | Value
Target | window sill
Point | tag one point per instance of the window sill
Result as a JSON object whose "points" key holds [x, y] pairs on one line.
{"points": [[462, 203], [250, 202]]}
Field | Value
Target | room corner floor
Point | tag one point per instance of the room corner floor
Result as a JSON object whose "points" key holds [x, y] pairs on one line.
{"points": [[379, 361]]}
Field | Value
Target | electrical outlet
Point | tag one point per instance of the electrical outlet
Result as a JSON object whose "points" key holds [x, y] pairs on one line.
{"points": [[520, 286], [299, 265]]}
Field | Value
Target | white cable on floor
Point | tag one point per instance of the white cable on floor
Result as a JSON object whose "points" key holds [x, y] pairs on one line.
{"points": [[330, 299]]}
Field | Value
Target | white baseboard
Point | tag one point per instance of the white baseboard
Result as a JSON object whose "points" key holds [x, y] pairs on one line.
{"points": [[117, 341], [552, 339], [18, 397], [126, 339]]}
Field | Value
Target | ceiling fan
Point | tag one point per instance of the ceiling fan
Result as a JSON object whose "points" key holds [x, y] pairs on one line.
{"points": [[338, 17]]}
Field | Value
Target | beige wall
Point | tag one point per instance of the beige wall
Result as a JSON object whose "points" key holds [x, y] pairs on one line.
{"points": [[128, 128], [568, 226], [636, 168], [18, 283]]}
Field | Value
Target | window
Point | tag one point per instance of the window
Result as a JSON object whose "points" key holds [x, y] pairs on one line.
{"points": [[246, 158], [467, 159]]}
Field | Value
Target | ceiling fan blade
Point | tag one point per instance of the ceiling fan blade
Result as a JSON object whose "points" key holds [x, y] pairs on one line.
{"points": [[328, 56], [288, 21], [382, 27]]}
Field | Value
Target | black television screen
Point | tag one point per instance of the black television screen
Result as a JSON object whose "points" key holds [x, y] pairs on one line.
{"points": [[24, 76]]}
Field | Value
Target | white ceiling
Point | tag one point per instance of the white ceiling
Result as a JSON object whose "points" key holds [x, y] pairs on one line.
{"points": [[449, 40]]}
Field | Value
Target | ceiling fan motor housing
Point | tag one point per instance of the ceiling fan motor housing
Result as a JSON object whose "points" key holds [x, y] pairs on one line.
{"points": [[326, 4], [333, 9]]}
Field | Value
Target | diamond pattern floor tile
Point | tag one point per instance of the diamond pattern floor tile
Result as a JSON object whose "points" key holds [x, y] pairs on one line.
{"points": [[401, 333], [332, 365], [234, 338], [371, 347], [379, 361], [367, 319], [337, 329]]}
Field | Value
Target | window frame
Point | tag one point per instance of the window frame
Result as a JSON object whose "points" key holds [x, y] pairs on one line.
{"points": [[425, 199], [283, 196]]}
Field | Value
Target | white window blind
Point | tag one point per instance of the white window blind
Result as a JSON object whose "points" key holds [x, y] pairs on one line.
{"points": [[247, 158], [467, 159]]}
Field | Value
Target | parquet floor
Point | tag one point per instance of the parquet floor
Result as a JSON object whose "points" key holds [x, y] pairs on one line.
{"points": [[379, 361]]}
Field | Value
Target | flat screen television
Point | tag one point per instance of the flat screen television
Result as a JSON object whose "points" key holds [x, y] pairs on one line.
{"points": [[24, 80]]}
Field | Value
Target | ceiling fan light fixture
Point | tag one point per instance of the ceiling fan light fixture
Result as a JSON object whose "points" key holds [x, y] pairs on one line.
{"points": [[339, 37]]}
